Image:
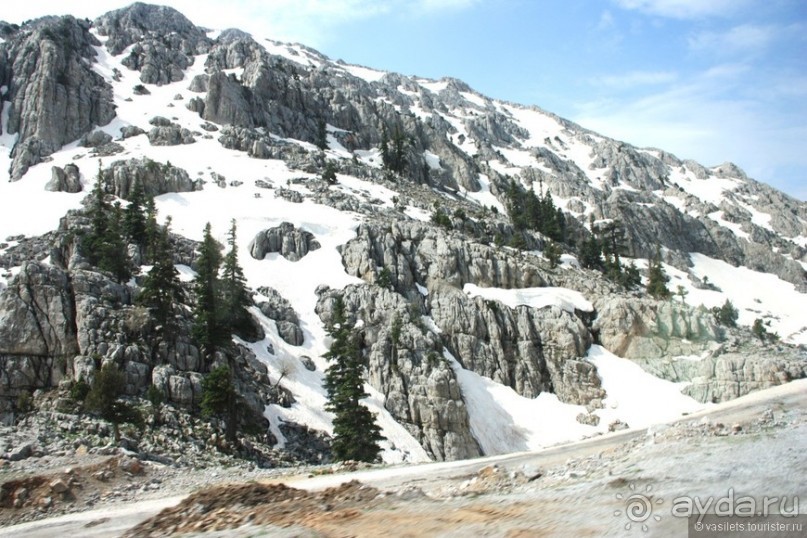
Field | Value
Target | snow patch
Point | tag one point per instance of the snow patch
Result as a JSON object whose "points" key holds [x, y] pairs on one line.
{"points": [[568, 300]]}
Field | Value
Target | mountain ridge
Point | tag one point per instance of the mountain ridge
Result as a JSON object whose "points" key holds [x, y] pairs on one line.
{"points": [[220, 126]]}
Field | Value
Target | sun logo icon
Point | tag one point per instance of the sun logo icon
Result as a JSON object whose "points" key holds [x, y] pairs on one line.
{"points": [[639, 507]]}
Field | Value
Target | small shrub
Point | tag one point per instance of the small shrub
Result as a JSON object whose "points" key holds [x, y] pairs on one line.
{"points": [[79, 390]]}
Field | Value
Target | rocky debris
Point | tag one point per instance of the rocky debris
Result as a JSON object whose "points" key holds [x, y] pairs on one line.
{"points": [[275, 306], [290, 242], [67, 179], [230, 507], [163, 41], [56, 96], [122, 178]]}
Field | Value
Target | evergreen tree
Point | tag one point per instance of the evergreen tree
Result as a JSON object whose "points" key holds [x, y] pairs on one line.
{"points": [[134, 218], [657, 279], [235, 297], [103, 245], [114, 251], [152, 229], [552, 253], [162, 290], [322, 134], [355, 432], [727, 314], [591, 254], [329, 174], [103, 398], [207, 328], [219, 399]]}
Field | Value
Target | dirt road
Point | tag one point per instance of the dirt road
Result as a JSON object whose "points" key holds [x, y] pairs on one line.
{"points": [[755, 445]]}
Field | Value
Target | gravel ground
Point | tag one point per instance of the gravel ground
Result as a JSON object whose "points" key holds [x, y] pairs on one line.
{"points": [[755, 446]]}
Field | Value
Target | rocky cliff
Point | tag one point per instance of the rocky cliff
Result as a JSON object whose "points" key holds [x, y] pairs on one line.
{"points": [[392, 194]]}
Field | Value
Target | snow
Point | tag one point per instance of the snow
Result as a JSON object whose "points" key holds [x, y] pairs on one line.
{"points": [[710, 190], [474, 98], [569, 300], [634, 396], [433, 85], [736, 229], [503, 421], [432, 160], [289, 52], [755, 295], [538, 124], [365, 73], [483, 196]]}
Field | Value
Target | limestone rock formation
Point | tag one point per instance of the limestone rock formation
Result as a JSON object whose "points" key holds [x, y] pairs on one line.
{"points": [[122, 177], [56, 96], [67, 179], [288, 241]]}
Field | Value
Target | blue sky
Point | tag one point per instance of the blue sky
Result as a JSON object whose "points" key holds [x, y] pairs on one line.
{"points": [[712, 80]]}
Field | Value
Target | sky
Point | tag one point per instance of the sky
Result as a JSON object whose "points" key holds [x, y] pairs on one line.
{"points": [[710, 80]]}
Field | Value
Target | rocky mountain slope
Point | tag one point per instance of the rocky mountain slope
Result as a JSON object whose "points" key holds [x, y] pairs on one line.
{"points": [[390, 195]]}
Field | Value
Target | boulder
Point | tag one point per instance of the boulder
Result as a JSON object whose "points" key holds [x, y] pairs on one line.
{"points": [[288, 241]]}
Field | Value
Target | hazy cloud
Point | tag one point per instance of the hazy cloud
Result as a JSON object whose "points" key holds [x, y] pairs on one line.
{"points": [[635, 78], [739, 39], [684, 9]]}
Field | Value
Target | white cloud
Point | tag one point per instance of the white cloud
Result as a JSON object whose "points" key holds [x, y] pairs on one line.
{"points": [[711, 117], [739, 39], [311, 22], [635, 78], [684, 9]]}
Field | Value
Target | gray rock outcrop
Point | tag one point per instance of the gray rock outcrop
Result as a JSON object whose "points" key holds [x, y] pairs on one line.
{"points": [[637, 328], [290, 242], [123, 177], [406, 365], [277, 308], [56, 96], [163, 41], [67, 179]]}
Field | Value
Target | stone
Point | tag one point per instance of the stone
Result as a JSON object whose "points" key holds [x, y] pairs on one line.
{"points": [[21, 452], [290, 242], [58, 486], [67, 179]]}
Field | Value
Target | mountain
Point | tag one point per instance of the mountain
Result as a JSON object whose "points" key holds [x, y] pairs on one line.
{"points": [[424, 209]]}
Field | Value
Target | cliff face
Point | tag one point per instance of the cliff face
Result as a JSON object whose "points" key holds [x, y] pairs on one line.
{"points": [[389, 193]]}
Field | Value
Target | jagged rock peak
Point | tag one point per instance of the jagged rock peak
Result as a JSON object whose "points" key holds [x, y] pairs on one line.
{"points": [[129, 25], [55, 94]]}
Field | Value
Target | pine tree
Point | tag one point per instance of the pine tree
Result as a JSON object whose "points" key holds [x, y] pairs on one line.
{"points": [[162, 290], [322, 134], [152, 229], [355, 432], [552, 254], [103, 398], [727, 314], [591, 254], [207, 328], [657, 279], [219, 399], [235, 297], [134, 218], [103, 245]]}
